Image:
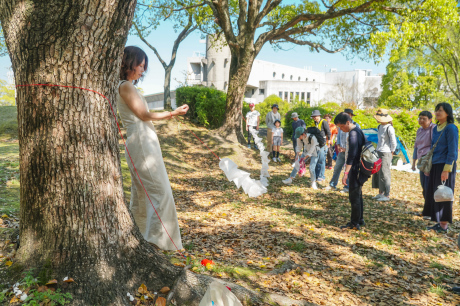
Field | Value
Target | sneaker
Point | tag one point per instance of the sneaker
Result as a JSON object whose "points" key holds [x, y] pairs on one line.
{"points": [[319, 179], [350, 225], [313, 185], [455, 290], [274, 159], [383, 199], [330, 188], [249, 146], [279, 160], [329, 168], [287, 181], [437, 228], [362, 223], [426, 218], [378, 196], [344, 190]]}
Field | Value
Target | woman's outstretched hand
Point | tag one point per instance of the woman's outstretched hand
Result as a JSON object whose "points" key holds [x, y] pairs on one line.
{"points": [[182, 110]]}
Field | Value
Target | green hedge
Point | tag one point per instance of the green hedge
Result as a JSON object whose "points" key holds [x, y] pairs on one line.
{"points": [[207, 105], [305, 114], [266, 106]]}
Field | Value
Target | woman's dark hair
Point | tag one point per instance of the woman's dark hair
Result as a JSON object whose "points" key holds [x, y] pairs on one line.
{"points": [[342, 118], [448, 109], [426, 114], [132, 57], [327, 116]]}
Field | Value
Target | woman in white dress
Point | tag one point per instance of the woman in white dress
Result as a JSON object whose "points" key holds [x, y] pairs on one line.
{"points": [[145, 151]]}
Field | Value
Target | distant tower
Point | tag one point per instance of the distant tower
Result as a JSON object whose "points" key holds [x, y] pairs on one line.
{"points": [[218, 58]]}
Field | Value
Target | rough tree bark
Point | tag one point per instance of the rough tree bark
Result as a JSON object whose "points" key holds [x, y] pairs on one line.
{"points": [[74, 220]]}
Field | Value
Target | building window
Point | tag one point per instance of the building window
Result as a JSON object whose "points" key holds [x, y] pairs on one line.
{"points": [[291, 77], [225, 85], [280, 94], [274, 74], [282, 76], [285, 96], [306, 79], [298, 79], [297, 96], [225, 62], [302, 96], [313, 80], [291, 96], [253, 91], [261, 91], [308, 98]]}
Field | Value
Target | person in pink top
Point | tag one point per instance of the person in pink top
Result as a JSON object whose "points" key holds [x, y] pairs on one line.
{"points": [[422, 146]]}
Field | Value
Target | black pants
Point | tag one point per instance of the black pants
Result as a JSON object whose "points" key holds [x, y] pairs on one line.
{"points": [[330, 154], [355, 195], [250, 135]]}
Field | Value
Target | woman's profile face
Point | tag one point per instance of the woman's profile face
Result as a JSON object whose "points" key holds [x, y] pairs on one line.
{"points": [[137, 72], [441, 114]]}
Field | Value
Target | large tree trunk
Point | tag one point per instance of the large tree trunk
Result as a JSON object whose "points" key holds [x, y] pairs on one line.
{"points": [[167, 87], [73, 215], [240, 68]]}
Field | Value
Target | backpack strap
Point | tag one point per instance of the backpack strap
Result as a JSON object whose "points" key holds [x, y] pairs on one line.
{"points": [[320, 125]]}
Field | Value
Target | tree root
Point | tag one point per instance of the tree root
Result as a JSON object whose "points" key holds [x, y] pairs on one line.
{"points": [[190, 288]]}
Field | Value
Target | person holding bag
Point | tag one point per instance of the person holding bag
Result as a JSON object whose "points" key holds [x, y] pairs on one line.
{"points": [[444, 153], [422, 147]]}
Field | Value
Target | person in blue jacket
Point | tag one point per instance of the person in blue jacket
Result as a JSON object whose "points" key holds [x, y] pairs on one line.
{"points": [[444, 166]]}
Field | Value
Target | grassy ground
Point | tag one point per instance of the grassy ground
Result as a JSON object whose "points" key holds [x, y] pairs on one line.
{"points": [[392, 261]]}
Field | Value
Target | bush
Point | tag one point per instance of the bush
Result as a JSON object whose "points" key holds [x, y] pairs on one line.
{"points": [[304, 114], [265, 107], [207, 105], [9, 120]]}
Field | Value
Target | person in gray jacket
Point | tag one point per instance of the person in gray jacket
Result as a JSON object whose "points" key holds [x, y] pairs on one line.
{"points": [[386, 147], [270, 122]]}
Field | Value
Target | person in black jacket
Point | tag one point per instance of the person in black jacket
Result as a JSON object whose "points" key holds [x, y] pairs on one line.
{"points": [[323, 126], [356, 140]]}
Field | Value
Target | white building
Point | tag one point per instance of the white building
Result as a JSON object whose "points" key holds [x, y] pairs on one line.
{"points": [[266, 78]]}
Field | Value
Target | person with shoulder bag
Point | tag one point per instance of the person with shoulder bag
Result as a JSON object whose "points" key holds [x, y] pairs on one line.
{"points": [[422, 147], [386, 147], [444, 154]]}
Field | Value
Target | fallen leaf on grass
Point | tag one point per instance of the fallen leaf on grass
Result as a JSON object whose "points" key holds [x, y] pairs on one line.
{"points": [[52, 282], [8, 263], [14, 300], [161, 301], [68, 280], [142, 289], [165, 290]]}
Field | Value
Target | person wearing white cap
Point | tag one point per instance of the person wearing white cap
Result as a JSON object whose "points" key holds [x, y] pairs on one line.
{"points": [[252, 122], [385, 148]]}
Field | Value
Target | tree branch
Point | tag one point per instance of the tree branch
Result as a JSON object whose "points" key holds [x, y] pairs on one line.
{"points": [[150, 46]]}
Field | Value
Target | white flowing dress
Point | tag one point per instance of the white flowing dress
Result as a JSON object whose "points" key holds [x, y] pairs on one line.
{"points": [[144, 147]]}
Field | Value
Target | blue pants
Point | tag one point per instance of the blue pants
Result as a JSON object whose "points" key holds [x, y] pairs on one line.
{"points": [[338, 170], [321, 165], [312, 168]]}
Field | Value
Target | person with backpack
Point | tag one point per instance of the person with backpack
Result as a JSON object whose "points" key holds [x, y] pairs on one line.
{"points": [[270, 119], [356, 141], [422, 146], [310, 144], [444, 144], [325, 131], [340, 162], [386, 147]]}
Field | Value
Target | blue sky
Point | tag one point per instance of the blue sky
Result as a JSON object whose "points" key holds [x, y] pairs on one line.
{"points": [[163, 39]]}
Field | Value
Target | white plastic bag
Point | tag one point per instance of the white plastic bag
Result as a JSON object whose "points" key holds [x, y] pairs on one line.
{"points": [[443, 193], [219, 295]]}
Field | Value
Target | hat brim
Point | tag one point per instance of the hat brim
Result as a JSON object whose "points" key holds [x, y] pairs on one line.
{"points": [[383, 119]]}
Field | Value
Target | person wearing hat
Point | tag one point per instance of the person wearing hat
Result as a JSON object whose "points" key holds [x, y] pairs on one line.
{"points": [[385, 148], [310, 146], [325, 131], [270, 122], [295, 124], [252, 122], [341, 147]]}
